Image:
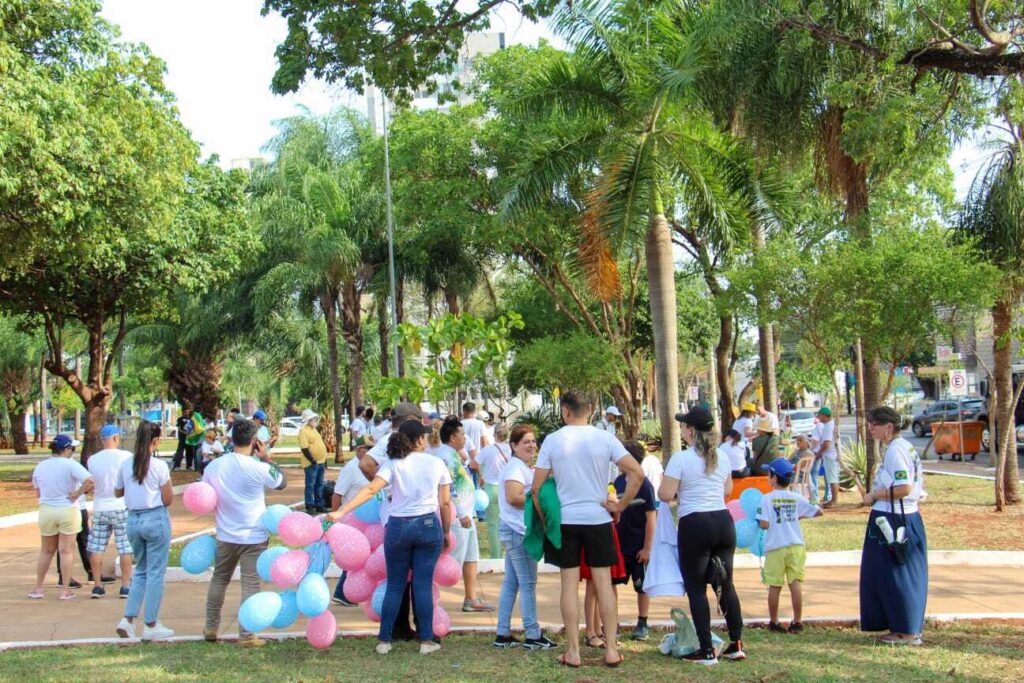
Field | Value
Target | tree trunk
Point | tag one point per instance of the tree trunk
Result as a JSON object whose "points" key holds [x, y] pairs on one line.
{"points": [[399, 319], [766, 343], [382, 335], [722, 371], [330, 311], [451, 299], [872, 399], [194, 379], [661, 285], [352, 332], [858, 391], [1007, 477], [95, 418], [20, 437]]}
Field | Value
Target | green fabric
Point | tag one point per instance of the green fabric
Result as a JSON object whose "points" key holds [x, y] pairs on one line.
{"points": [[535, 530], [763, 450], [493, 520]]}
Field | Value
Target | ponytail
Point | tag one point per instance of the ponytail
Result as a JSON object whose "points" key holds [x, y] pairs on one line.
{"points": [[706, 445], [143, 439]]}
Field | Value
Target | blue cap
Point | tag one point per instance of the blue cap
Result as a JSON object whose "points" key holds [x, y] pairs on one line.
{"points": [[259, 415], [62, 441], [780, 467], [434, 416], [109, 431]]}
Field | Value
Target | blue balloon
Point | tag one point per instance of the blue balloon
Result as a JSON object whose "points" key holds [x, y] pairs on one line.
{"points": [[750, 501], [319, 557], [377, 601], [757, 547], [259, 611], [199, 554], [289, 610], [313, 595], [369, 512], [266, 559], [482, 500], [746, 533], [272, 517]]}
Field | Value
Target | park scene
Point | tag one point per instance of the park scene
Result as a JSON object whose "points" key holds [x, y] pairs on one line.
{"points": [[557, 340]]}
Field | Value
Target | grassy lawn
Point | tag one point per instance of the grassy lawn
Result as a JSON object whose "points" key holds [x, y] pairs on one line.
{"points": [[954, 652]]}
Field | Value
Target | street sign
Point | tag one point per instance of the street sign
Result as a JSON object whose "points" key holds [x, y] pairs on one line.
{"points": [[957, 382], [693, 393], [943, 354]]}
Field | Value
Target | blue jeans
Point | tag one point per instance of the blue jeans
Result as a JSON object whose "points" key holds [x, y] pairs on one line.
{"points": [[149, 532], [411, 543], [520, 577], [339, 589], [315, 485]]}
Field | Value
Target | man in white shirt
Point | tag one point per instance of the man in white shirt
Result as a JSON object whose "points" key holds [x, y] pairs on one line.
{"points": [[240, 479], [109, 514], [356, 428], [350, 482], [824, 444], [771, 417], [578, 456], [476, 438], [609, 422]]}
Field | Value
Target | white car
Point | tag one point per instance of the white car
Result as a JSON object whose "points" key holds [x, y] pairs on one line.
{"points": [[801, 421], [290, 426]]}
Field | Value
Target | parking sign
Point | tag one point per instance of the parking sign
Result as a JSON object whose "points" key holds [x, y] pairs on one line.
{"points": [[957, 382]]}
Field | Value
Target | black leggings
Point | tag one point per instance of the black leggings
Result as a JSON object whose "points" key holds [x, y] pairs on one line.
{"points": [[701, 535]]}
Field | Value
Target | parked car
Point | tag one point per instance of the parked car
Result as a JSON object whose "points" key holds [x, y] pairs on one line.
{"points": [[800, 421], [290, 426], [946, 410]]}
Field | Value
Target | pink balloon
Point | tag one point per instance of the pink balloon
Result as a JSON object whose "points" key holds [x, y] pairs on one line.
{"points": [[351, 520], [359, 586], [442, 622], [368, 611], [299, 529], [375, 535], [376, 566], [289, 569], [451, 543], [436, 590], [321, 630], [349, 545], [448, 571], [200, 498], [736, 510]]}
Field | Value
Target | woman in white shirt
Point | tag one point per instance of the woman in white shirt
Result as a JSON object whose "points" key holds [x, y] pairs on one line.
{"points": [[700, 479], [492, 459], [413, 538], [732, 449], [893, 593], [515, 480], [145, 483]]}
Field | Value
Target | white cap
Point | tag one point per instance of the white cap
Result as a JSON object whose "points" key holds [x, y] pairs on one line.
{"points": [[612, 410]]}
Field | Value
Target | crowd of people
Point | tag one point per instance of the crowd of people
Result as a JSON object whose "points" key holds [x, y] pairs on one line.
{"points": [[599, 508]]}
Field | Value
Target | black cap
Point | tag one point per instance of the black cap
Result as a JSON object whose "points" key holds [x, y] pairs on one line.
{"points": [[413, 429], [698, 418]]}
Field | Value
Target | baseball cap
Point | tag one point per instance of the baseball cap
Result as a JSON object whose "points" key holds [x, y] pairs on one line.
{"points": [[62, 441], [698, 418], [434, 416], [780, 467], [259, 415], [406, 409], [825, 410], [109, 431], [413, 430], [613, 410]]}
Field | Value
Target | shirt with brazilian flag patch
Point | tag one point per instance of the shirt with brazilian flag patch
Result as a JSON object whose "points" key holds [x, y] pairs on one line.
{"points": [[900, 466]]}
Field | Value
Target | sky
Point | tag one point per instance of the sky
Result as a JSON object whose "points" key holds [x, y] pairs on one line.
{"points": [[220, 60]]}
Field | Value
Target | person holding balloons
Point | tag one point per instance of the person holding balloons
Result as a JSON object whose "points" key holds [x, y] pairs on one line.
{"points": [[239, 480], [414, 536], [700, 480]]}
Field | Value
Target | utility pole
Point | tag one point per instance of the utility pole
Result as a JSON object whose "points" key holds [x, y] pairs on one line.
{"points": [[391, 232]]}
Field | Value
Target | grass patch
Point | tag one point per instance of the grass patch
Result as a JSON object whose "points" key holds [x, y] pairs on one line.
{"points": [[960, 652]]}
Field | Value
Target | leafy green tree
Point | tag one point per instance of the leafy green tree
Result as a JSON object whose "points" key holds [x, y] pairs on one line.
{"points": [[577, 360], [19, 354]]}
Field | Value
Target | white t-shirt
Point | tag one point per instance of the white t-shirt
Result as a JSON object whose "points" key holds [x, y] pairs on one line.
{"points": [[607, 426], [513, 517], [698, 492], [209, 451], [782, 509], [413, 483], [103, 467], [579, 457], [822, 432], [379, 451], [742, 425], [474, 430], [378, 431], [653, 470], [56, 478], [736, 455], [773, 419], [901, 465], [145, 495], [240, 481], [358, 428], [492, 460], [350, 481]]}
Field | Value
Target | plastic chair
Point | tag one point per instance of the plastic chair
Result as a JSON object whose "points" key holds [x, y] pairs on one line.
{"points": [[802, 476]]}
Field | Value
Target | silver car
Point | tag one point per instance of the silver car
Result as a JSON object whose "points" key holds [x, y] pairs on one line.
{"points": [[801, 421]]}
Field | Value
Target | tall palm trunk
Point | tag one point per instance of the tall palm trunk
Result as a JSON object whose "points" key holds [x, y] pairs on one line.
{"points": [[382, 335], [723, 373], [1007, 476], [352, 331], [662, 286], [328, 304], [766, 344]]}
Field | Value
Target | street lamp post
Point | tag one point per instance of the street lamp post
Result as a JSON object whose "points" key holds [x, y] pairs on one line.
{"points": [[391, 235]]}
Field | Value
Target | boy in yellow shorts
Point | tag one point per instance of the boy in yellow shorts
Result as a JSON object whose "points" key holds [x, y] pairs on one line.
{"points": [[780, 514]]}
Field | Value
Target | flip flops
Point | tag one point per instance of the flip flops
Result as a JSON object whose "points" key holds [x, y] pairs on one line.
{"points": [[615, 665], [564, 661]]}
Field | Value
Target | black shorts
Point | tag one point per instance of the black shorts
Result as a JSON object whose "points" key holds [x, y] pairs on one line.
{"points": [[634, 571], [595, 539]]}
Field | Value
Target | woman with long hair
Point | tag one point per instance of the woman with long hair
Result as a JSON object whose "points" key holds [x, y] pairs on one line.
{"points": [[420, 487], [700, 480], [145, 483]]}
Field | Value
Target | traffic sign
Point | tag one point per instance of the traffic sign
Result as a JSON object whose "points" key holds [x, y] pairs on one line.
{"points": [[957, 382], [693, 392]]}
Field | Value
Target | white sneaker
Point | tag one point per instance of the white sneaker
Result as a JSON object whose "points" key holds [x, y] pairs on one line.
{"points": [[383, 648], [125, 628], [427, 648], [158, 632]]}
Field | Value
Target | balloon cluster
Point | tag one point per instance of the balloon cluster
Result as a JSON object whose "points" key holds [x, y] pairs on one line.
{"points": [[356, 544], [744, 513]]}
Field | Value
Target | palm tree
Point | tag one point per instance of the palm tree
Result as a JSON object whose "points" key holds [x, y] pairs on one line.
{"points": [[316, 206], [650, 153], [993, 215]]}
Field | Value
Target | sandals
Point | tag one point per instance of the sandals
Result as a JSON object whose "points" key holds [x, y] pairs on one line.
{"points": [[615, 665], [589, 641], [564, 661]]}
